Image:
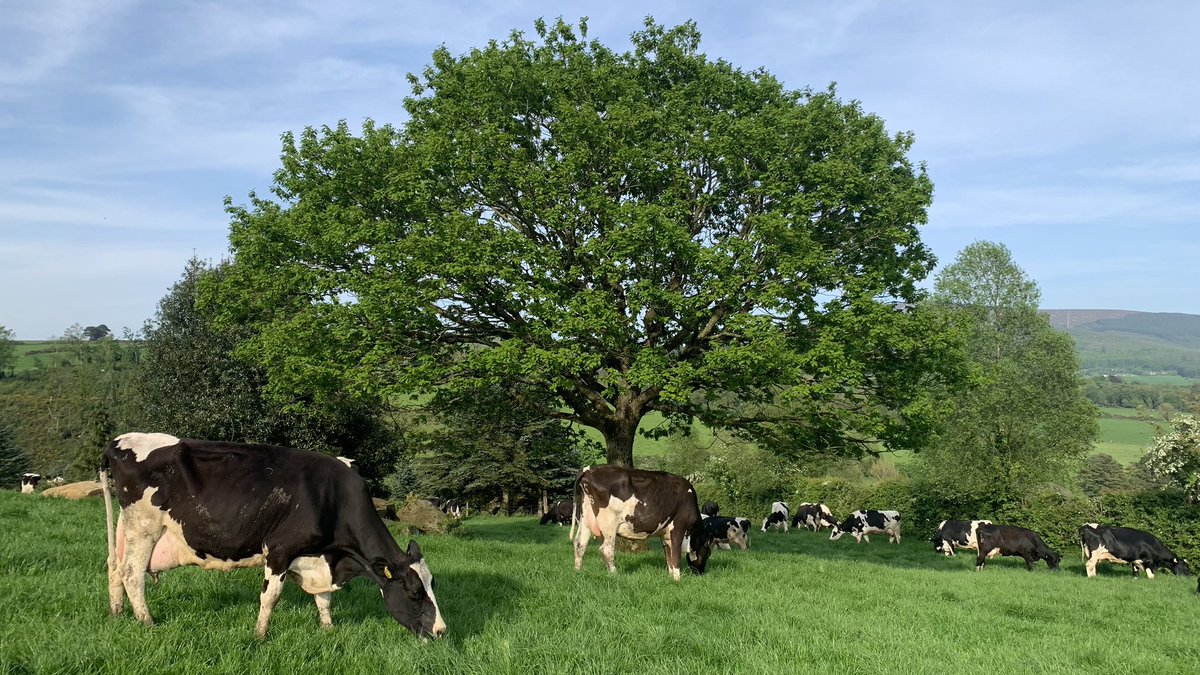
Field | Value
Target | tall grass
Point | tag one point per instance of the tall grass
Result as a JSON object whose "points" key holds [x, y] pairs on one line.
{"points": [[792, 603]]}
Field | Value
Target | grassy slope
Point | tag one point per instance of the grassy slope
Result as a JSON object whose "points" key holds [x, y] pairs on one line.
{"points": [[793, 603]]}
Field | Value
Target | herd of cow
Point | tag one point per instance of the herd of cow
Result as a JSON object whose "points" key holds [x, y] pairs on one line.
{"points": [[309, 517]]}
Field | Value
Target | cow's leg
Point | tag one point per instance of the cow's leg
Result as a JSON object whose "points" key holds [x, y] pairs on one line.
{"points": [[1090, 565], [272, 588], [865, 536], [322, 600], [581, 541], [1136, 565], [608, 551], [677, 535], [142, 528], [116, 586], [1029, 560], [980, 559]]}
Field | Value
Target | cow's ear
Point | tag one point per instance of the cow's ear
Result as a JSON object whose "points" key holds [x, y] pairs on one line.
{"points": [[383, 569], [414, 551]]}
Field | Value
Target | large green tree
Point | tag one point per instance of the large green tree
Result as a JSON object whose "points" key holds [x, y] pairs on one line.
{"points": [[1025, 421], [627, 232], [8, 351]]}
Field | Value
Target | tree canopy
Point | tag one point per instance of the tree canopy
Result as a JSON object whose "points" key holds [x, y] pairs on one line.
{"points": [[621, 232]]}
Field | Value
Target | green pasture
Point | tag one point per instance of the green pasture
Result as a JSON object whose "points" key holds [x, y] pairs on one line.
{"points": [[793, 603], [30, 353], [1169, 380]]}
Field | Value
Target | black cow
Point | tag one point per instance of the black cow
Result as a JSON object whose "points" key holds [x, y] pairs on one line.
{"points": [[1127, 546], [724, 531], [228, 505], [29, 481], [612, 501], [1013, 541], [710, 509], [559, 513], [954, 534], [862, 523], [813, 517], [778, 517]]}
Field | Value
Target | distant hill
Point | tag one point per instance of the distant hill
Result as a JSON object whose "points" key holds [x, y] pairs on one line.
{"points": [[1122, 341]]}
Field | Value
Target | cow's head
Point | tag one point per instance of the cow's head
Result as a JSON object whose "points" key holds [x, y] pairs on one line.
{"points": [[700, 545], [737, 536], [1052, 559], [825, 520], [845, 528], [407, 586], [1179, 567]]}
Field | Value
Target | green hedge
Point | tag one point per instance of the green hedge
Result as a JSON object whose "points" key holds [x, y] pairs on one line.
{"points": [[1056, 516]]}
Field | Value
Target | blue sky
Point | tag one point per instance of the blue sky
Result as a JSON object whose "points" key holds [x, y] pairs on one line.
{"points": [[1068, 131]]}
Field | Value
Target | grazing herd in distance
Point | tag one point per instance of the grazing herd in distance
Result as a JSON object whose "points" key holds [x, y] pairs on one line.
{"points": [[184, 502]]}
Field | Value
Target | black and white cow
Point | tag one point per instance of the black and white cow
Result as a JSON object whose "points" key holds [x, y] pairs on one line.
{"points": [[952, 534], [453, 507], [1018, 542], [864, 522], [710, 509], [778, 517], [559, 513], [228, 505], [813, 517], [724, 531], [1127, 546], [612, 501], [29, 481]]}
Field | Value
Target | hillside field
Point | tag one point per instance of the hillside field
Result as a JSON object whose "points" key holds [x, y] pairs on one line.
{"points": [[794, 603]]}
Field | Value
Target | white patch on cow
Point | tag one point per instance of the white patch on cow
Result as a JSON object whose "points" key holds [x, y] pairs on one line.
{"points": [[26, 488], [142, 444], [345, 460], [313, 574], [422, 570], [1102, 554]]}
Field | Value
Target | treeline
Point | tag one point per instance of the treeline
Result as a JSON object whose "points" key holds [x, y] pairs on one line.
{"points": [[1114, 392]]}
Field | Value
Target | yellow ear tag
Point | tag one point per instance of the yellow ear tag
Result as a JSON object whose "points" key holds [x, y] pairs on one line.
{"points": [[387, 572]]}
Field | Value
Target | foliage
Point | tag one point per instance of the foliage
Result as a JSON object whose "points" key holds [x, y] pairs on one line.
{"points": [[1025, 422], [1113, 391], [64, 410], [13, 460], [97, 332], [1175, 455], [8, 352], [620, 232], [192, 384], [1101, 473], [484, 449]]}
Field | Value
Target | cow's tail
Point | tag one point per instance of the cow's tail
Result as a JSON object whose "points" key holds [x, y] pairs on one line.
{"points": [[577, 493], [108, 510]]}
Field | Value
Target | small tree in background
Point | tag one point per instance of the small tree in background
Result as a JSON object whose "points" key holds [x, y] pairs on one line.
{"points": [[1175, 456], [8, 351], [13, 461], [1101, 473], [1025, 422]]}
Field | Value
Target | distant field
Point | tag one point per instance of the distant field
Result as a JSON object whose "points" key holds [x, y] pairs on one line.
{"points": [[1168, 380], [29, 353], [793, 603]]}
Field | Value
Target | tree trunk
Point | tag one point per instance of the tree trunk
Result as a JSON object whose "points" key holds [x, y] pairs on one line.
{"points": [[618, 439], [545, 503], [504, 501]]}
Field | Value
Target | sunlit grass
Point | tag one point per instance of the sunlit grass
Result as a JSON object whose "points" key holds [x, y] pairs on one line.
{"points": [[792, 603]]}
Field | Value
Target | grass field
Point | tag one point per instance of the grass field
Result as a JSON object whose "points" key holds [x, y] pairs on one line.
{"points": [[1171, 380], [29, 353], [513, 603]]}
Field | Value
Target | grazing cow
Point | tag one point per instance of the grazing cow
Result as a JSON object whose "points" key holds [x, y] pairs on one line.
{"points": [[453, 507], [813, 517], [710, 509], [1127, 546], [228, 505], [28, 482], [1013, 541], [559, 513], [612, 501], [862, 523], [952, 534], [724, 531], [778, 517]]}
